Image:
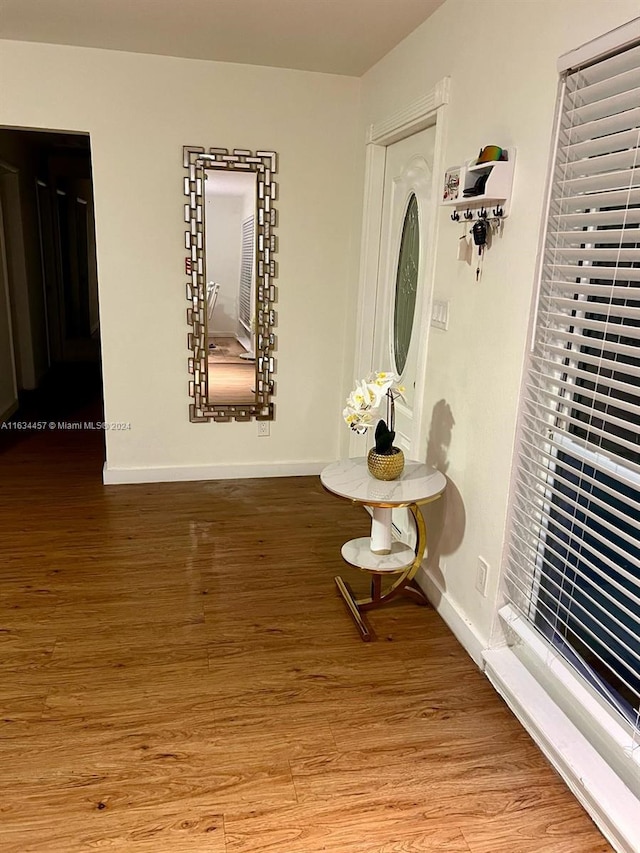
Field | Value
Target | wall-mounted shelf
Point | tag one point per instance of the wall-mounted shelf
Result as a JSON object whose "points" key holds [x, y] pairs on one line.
{"points": [[496, 180]]}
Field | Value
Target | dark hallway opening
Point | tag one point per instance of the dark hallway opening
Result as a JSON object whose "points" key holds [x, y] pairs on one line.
{"points": [[50, 365]]}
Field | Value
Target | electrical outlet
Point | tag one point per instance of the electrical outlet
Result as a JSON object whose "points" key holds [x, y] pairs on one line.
{"points": [[263, 427], [481, 576]]}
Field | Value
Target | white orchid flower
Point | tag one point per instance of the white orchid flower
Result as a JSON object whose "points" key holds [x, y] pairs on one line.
{"points": [[355, 401], [378, 393], [356, 420], [361, 398], [367, 396]]}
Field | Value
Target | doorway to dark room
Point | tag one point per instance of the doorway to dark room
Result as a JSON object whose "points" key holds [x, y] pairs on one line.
{"points": [[50, 362]]}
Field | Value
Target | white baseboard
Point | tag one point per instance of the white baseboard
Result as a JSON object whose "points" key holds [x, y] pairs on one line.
{"points": [[461, 628], [178, 473], [605, 797]]}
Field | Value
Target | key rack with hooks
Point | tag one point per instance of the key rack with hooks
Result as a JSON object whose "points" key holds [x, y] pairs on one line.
{"points": [[488, 186]]}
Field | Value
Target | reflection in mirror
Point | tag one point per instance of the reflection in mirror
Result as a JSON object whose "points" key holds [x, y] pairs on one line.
{"points": [[231, 244], [230, 203]]}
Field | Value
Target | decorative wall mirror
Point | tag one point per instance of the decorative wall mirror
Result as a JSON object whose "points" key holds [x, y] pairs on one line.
{"points": [[231, 269]]}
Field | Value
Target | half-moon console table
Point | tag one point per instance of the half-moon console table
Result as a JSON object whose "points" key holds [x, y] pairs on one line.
{"points": [[379, 554]]}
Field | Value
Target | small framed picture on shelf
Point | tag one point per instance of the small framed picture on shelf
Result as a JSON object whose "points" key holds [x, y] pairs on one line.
{"points": [[451, 184]]}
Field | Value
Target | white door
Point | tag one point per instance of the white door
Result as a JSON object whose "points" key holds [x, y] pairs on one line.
{"points": [[402, 295], [8, 387]]}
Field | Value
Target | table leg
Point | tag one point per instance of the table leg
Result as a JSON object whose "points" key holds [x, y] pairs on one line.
{"points": [[381, 530], [376, 587], [405, 584], [349, 600], [413, 591]]}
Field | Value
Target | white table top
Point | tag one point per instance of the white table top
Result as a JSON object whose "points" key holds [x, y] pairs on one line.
{"points": [[350, 479]]}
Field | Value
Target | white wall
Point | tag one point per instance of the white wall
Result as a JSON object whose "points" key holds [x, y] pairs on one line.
{"points": [[501, 58], [140, 111]]}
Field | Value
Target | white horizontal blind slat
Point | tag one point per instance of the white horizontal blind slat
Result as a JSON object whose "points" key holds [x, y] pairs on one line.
{"points": [[597, 128], [576, 579], [560, 395], [580, 312], [545, 518], [574, 559], [604, 89], [546, 462], [568, 239], [576, 340], [616, 103], [589, 182], [621, 140], [586, 254], [564, 422], [586, 289], [624, 476], [558, 402], [563, 652], [581, 583], [614, 577], [614, 65], [594, 650], [593, 605], [575, 203], [561, 609], [563, 354], [538, 484], [605, 273], [606, 167], [596, 342], [594, 219], [546, 368]]}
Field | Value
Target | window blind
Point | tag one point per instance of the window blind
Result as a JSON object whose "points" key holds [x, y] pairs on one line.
{"points": [[573, 570], [246, 272]]}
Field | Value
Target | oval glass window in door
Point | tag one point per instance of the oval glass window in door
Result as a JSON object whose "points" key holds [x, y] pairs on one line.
{"points": [[406, 284]]}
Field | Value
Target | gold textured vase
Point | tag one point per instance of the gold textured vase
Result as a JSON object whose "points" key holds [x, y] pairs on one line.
{"points": [[385, 467]]}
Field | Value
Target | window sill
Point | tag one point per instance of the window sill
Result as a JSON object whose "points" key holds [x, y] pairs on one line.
{"points": [[556, 710]]}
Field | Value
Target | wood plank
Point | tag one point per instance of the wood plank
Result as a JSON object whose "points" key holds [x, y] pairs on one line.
{"points": [[377, 826], [181, 830]]}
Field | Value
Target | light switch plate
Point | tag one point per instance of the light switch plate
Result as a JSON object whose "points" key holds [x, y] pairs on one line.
{"points": [[440, 314], [482, 575]]}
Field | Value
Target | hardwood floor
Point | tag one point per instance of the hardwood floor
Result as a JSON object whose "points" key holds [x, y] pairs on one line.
{"points": [[232, 383], [232, 379], [179, 674]]}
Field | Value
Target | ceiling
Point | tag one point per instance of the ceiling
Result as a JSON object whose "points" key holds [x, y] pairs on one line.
{"points": [[333, 36]]}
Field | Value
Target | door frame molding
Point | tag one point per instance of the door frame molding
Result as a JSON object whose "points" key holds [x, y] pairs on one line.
{"points": [[413, 117], [5, 296], [17, 279]]}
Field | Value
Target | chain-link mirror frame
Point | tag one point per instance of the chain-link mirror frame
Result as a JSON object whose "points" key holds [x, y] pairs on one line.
{"points": [[196, 160]]}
